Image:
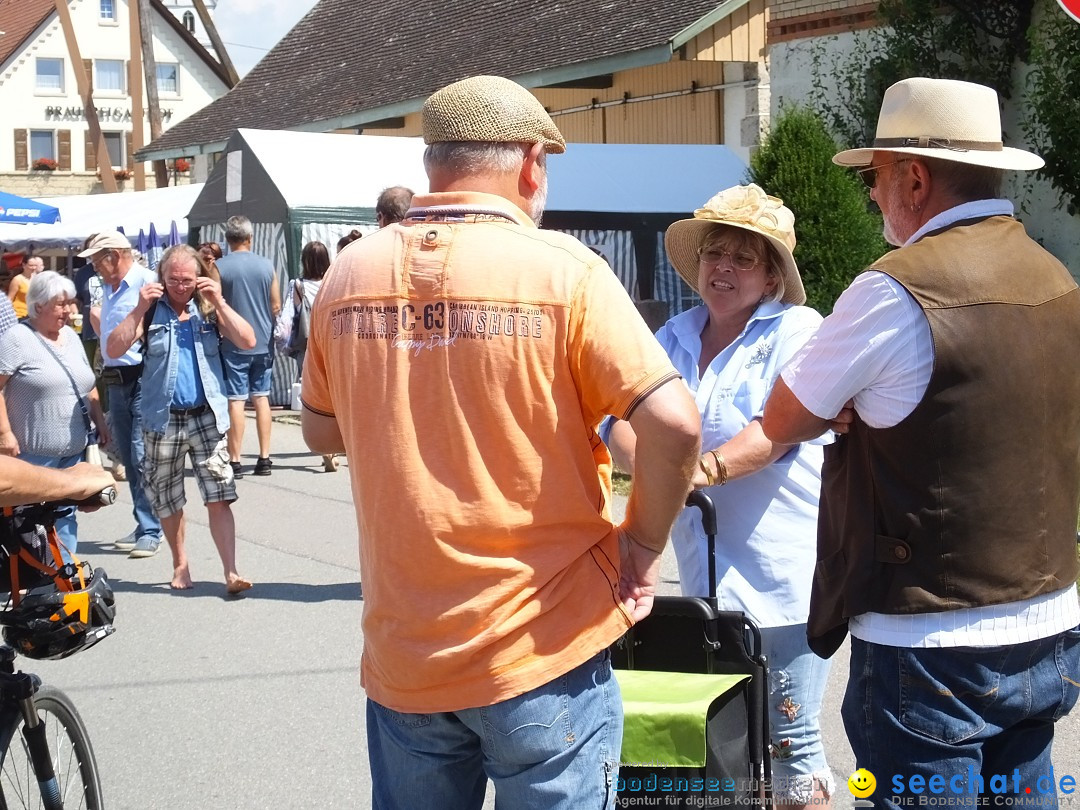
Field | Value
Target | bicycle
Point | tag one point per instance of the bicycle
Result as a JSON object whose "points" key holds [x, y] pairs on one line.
{"points": [[46, 759]]}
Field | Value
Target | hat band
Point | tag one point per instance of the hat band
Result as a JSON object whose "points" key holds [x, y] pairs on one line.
{"points": [[939, 143]]}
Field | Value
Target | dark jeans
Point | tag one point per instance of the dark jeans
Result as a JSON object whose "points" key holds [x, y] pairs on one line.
{"points": [[963, 721]]}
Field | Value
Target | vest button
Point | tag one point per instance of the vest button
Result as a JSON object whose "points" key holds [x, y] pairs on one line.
{"points": [[900, 552]]}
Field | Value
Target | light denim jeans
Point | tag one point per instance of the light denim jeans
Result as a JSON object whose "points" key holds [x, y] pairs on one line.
{"points": [[556, 747], [67, 529], [796, 686], [961, 716], [125, 423]]}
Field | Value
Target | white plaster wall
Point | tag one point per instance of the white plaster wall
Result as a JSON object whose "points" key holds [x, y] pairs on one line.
{"points": [[25, 107], [1036, 201]]}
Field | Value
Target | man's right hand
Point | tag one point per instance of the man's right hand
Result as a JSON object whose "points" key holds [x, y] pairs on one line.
{"points": [[148, 294], [639, 573]]}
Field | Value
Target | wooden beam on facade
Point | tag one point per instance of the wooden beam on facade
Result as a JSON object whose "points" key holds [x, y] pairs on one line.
{"points": [[86, 93], [135, 90], [161, 171], [215, 40]]}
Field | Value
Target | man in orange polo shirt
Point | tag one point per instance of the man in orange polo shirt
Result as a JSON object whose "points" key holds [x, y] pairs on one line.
{"points": [[463, 359]]}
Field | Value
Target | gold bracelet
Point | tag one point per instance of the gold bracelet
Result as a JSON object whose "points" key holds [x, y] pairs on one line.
{"points": [[709, 477], [721, 466]]}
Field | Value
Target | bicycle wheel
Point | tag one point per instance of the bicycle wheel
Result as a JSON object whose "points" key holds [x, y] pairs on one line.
{"points": [[72, 756]]}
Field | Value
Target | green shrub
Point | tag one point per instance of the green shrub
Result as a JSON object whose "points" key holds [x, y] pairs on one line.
{"points": [[837, 235]]}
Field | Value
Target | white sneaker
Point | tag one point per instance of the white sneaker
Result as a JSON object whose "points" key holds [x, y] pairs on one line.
{"points": [[127, 543]]}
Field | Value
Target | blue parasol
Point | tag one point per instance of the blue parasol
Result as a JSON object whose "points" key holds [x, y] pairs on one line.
{"points": [[20, 209], [154, 251]]}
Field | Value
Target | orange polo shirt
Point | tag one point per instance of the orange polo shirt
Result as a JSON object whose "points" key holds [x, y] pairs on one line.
{"points": [[468, 358]]}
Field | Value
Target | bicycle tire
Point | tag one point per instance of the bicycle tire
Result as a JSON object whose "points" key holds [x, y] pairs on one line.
{"points": [[69, 745]]}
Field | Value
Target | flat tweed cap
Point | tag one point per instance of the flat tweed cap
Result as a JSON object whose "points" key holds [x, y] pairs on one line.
{"points": [[490, 109]]}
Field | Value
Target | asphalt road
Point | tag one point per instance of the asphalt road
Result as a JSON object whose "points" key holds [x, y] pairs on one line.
{"points": [[206, 701]]}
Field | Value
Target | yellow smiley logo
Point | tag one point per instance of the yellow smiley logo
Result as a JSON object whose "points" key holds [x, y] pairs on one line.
{"points": [[862, 783]]}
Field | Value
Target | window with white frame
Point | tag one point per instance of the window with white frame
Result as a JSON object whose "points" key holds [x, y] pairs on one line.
{"points": [[189, 22], [109, 75], [42, 144], [168, 78], [50, 75], [108, 10], [114, 142]]}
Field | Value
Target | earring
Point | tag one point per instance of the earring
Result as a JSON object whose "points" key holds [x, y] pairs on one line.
{"points": [[915, 208]]}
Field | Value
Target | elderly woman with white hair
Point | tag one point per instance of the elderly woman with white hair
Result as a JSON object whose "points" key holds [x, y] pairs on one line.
{"points": [[49, 406]]}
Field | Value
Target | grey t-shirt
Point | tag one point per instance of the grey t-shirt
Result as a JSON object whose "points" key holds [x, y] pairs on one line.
{"points": [[42, 408], [245, 282]]}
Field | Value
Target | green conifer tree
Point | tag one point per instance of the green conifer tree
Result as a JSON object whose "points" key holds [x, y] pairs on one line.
{"points": [[837, 234]]}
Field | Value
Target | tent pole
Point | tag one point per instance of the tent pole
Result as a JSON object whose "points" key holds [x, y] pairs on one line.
{"points": [[645, 245]]}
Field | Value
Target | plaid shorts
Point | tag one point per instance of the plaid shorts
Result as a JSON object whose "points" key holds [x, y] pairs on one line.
{"points": [[163, 466]]}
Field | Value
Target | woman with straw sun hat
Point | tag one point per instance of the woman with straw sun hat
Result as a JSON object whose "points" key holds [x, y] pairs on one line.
{"points": [[736, 253]]}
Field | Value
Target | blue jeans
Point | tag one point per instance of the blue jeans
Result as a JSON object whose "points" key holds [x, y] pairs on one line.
{"points": [[555, 747], [796, 685], [67, 529], [125, 423], [976, 720]]}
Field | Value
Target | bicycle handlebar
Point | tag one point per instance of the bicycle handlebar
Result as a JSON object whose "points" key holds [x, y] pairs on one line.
{"points": [[107, 497], [47, 510]]}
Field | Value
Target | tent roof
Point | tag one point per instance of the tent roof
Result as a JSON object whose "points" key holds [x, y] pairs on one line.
{"points": [[636, 178], [85, 214], [20, 209], [284, 171], [280, 171]]}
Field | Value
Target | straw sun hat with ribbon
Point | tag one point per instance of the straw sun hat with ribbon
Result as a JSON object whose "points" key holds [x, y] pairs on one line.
{"points": [[943, 119], [490, 109], [746, 207]]}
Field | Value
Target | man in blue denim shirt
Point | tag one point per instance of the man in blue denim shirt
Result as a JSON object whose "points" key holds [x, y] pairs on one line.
{"points": [[185, 410], [110, 253]]}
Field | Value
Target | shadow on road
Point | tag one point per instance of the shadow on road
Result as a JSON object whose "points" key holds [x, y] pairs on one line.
{"points": [[270, 591]]}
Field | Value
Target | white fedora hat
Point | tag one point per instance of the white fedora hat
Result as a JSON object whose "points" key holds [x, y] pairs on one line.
{"points": [[943, 119]]}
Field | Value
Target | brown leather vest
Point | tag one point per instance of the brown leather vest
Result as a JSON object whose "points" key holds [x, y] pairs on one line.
{"points": [[972, 499]]}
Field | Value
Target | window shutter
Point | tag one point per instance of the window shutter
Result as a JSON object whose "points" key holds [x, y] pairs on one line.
{"points": [[88, 66], [91, 155], [63, 139], [22, 158], [129, 149]]}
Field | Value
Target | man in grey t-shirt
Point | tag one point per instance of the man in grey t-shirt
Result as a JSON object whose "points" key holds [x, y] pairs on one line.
{"points": [[249, 284]]}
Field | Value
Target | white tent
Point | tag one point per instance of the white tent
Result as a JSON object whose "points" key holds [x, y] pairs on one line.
{"points": [[86, 214]]}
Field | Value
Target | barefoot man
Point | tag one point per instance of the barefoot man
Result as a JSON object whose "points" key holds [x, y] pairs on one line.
{"points": [[181, 321]]}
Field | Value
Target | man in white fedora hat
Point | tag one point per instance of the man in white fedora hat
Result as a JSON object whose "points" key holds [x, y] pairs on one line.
{"points": [[464, 359], [946, 536]]}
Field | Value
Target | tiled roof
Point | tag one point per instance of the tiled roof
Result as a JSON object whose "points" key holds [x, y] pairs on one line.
{"points": [[345, 57], [20, 18]]}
